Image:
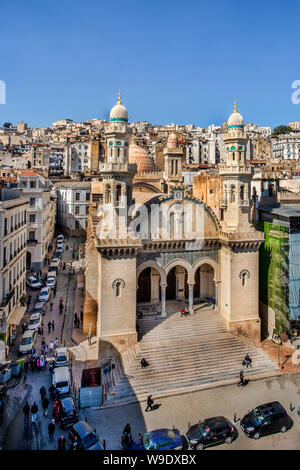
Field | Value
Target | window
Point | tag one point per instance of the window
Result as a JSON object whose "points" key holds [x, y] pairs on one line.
{"points": [[31, 218], [86, 209], [32, 201], [33, 184], [87, 196], [77, 196], [242, 193], [76, 209], [76, 224], [32, 235]]}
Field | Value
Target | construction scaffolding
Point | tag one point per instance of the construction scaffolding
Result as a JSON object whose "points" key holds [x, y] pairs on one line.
{"points": [[294, 276]]}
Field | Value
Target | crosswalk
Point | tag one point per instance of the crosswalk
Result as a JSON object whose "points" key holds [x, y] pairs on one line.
{"points": [[185, 354]]}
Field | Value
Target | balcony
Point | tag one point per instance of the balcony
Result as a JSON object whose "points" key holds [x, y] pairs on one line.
{"points": [[32, 242], [7, 298]]}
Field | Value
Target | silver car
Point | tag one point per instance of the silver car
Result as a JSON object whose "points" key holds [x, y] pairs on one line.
{"points": [[45, 294]]}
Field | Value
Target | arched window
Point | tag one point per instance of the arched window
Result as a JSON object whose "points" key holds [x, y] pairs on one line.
{"points": [[232, 193], [118, 153], [242, 193], [244, 279], [118, 289], [233, 156]]}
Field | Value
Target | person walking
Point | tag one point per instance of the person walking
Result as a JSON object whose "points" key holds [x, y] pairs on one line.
{"points": [[51, 306], [248, 361], [34, 412], [61, 307], [242, 379], [53, 325], [54, 291], [45, 405], [51, 430], [49, 327], [150, 402], [61, 300], [26, 411], [126, 437], [56, 411], [61, 441], [51, 346], [55, 343], [75, 444]]}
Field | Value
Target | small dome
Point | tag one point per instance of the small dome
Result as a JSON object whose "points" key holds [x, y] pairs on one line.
{"points": [[235, 120], [141, 157], [172, 141], [119, 112]]}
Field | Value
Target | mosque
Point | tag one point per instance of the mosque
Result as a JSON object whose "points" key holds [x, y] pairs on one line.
{"points": [[159, 243]]}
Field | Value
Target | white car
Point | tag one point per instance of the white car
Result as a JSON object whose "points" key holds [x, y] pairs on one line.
{"points": [[59, 246], [50, 282], [55, 260], [34, 283], [60, 237], [61, 358], [35, 321], [27, 341], [45, 294]]}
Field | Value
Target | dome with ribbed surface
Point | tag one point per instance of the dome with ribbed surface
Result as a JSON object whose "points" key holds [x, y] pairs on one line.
{"points": [[141, 158], [118, 112], [172, 141]]}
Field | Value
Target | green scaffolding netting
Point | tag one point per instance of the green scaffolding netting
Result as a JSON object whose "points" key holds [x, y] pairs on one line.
{"points": [[273, 268]]}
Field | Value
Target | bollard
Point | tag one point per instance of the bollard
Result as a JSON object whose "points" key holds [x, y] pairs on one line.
{"points": [[104, 444]]}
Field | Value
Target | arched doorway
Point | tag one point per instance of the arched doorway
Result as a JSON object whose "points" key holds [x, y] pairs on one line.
{"points": [[177, 286], [204, 287], [148, 285]]}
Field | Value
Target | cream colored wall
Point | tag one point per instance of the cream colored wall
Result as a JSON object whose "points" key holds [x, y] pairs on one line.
{"points": [[117, 315]]}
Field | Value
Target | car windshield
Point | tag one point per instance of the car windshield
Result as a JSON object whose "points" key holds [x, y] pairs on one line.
{"points": [[61, 358], [44, 292], [62, 384], [26, 340], [257, 416], [33, 321], [35, 281], [89, 440]]}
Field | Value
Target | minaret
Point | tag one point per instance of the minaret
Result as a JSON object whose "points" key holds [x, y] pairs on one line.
{"points": [[172, 162], [117, 172], [236, 177]]}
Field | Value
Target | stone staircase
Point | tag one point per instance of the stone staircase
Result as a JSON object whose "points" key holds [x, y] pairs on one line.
{"points": [[186, 354]]}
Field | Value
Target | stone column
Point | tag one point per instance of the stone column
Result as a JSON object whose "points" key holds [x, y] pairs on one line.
{"points": [[154, 276], [163, 300], [191, 298]]}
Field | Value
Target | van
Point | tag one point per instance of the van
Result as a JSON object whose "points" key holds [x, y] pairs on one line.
{"points": [[27, 342], [61, 380], [54, 266]]}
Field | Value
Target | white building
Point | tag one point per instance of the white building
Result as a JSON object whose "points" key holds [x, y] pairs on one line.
{"points": [[286, 146], [13, 231], [73, 199], [77, 158]]}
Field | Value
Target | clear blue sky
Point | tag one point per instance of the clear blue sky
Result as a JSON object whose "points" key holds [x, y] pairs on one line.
{"points": [[174, 61]]}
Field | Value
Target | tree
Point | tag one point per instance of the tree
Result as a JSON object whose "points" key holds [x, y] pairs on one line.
{"points": [[282, 130]]}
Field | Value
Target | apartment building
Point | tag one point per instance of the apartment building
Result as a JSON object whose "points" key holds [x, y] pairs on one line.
{"points": [[286, 146], [77, 158], [13, 230], [73, 199]]}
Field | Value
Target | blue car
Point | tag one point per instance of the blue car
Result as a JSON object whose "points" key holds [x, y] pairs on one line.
{"points": [[161, 439]]}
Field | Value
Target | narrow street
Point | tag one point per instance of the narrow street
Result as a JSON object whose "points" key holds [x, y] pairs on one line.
{"points": [[36, 437]]}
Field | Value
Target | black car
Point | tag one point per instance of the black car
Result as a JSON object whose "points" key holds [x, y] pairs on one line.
{"points": [[68, 413], [86, 437], [266, 419], [210, 432]]}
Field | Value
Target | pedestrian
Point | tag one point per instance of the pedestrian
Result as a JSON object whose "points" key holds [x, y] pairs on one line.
{"points": [[38, 364], [51, 430], [26, 364], [56, 411], [73, 254], [51, 306], [24, 326], [248, 361], [34, 412], [54, 291], [64, 266], [150, 402], [45, 349], [67, 247], [33, 366], [144, 363], [49, 327], [242, 380], [42, 328], [61, 307], [182, 312], [26, 411], [75, 319], [78, 322], [126, 437], [61, 443], [51, 391], [42, 362], [75, 444], [61, 300], [32, 350], [53, 325], [51, 346], [45, 405]]}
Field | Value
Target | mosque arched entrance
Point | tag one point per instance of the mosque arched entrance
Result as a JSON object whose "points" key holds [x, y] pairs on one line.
{"points": [[177, 286], [148, 285], [204, 286]]}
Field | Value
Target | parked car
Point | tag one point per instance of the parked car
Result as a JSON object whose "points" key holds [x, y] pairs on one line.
{"points": [[45, 294], [266, 419], [40, 307], [55, 260], [210, 432], [60, 237], [68, 413], [87, 438], [61, 380], [27, 341], [61, 357], [54, 265], [59, 246], [51, 281], [34, 283], [159, 439], [35, 321]]}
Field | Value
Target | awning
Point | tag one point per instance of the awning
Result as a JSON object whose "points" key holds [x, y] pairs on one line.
{"points": [[16, 316]]}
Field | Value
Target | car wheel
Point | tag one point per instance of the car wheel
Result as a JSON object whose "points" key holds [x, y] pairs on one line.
{"points": [[200, 447], [228, 440], [283, 429], [256, 435]]}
